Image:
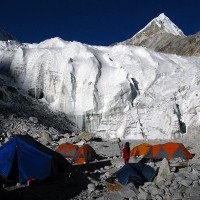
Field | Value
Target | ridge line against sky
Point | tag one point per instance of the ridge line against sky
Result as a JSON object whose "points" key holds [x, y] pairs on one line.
{"points": [[95, 22]]}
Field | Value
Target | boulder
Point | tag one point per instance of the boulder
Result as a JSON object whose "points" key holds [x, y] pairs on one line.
{"points": [[129, 191], [144, 196], [33, 119], [91, 187], [164, 170]]}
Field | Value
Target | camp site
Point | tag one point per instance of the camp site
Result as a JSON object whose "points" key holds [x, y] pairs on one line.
{"points": [[155, 169], [100, 100]]}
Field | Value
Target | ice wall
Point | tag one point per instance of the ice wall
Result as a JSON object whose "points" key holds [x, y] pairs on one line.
{"points": [[120, 91]]}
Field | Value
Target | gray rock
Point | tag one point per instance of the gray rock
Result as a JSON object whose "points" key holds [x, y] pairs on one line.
{"points": [[173, 169], [167, 197], [175, 185], [158, 197], [129, 191], [35, 135], [172, 191], [164, 170], [66, 135], [144, 196], [97, 192], [180, 177], [194, 177], [45, 139], [192, 198], [118, 163], [161, 184], [9, 134], [63, 140], [186, 182], [194, 191], [170, 177], [11, 117], [147, 187], [166, 190], [177, 196], [182, 189], [104, 176], [156, 191], [91, 187], [107, 167], [33, 119], [148, 184], [86, 136], [189, 169], [167, 183], [195, 184], [74, 134], [101, 198], [55, 137]]}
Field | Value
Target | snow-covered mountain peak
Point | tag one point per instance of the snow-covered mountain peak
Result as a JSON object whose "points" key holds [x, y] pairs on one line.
{"points": [[165, 23], [158, 32], [162, 16]]}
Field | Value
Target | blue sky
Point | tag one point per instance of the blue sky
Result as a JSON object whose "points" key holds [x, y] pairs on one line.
{"points": [[95, 22]]}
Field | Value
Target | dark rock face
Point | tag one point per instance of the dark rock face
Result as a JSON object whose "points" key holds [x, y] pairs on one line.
{"points": [[36, 93], [4, 36], [189, 46]]}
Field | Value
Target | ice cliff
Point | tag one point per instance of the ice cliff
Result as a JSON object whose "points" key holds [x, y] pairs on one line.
{"points": [[120, 91]]}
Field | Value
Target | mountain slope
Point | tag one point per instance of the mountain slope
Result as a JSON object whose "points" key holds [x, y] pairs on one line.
{"points": [[188, 46], [14, 102], [154, 32], [162, 35]]}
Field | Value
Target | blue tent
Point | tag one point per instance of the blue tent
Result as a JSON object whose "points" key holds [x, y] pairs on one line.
{"points": [[136, 172], [24, 158]]}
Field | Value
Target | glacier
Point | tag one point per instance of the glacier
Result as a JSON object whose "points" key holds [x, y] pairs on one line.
{"points": [[129, 92]]}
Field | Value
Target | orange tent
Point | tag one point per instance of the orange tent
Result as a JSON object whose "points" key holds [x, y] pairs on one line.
{"points": [[67, 149], [84, 154], [140, 150], [168, 150]]}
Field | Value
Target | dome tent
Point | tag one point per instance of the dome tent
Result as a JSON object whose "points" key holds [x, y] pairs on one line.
{"points": [[84, 154], [67, 149], [23, 158], [169, 151]]}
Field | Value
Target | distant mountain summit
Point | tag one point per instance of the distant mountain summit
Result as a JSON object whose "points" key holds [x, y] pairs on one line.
{"points": [[162, 35], [5, 36], [160, 24], [156, 33]]}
